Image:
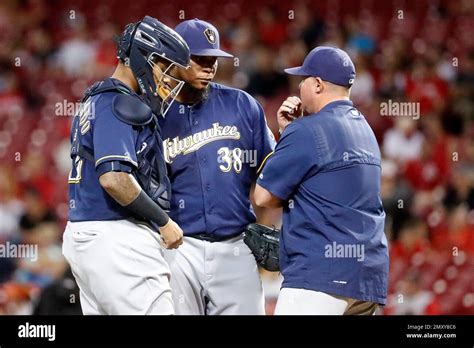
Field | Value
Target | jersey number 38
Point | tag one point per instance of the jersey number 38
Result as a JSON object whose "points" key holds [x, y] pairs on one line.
{"points": [[230, 159]]}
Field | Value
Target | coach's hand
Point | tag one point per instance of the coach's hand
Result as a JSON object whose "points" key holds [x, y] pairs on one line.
{"points": [[172, 235], [288, 111]]}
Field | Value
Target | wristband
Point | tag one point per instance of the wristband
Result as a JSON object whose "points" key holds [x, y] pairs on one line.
{"points": [[145, 207]]}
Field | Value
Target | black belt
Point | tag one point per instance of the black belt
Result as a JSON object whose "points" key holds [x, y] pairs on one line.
{"points": [[213, 239]]}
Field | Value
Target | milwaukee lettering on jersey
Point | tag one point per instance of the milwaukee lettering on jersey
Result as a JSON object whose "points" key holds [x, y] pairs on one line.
{"points": [[194, 142]]}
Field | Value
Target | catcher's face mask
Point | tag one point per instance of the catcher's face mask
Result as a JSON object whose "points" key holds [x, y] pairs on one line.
{"points": [[167, 86]]}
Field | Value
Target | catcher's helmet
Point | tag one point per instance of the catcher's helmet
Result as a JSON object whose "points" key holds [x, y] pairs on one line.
{"points": [[140, 45]]}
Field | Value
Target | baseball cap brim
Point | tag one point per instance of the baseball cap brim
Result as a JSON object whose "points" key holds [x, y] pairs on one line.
{"points": [[211, 52], [297, 71]]}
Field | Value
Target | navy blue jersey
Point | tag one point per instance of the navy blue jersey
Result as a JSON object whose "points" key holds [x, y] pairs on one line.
{"points": [[108, 139], [214, 150], [326, 167]]}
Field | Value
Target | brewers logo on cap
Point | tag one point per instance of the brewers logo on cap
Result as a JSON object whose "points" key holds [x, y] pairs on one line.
{"points": [[202, 38], [210, 35]]}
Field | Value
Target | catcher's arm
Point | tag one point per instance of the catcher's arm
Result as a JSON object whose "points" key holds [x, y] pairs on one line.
{"points": [[264, 198]]}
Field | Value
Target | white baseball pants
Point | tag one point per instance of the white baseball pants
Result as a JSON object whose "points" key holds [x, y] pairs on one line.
{"points": [[217, 278], [308, 302], [119, 267]]}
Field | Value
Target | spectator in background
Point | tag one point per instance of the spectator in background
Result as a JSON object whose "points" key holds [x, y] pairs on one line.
{"points": [[11, 98], [360, 39], [411, 299], [76, 54], [460, 189], [244, 41], [49, 264], [429, 170], [333, 36], [36, 211], [271, 29], [444, 67], [7, 268], [412, 239], [465, 77], [456, 231], [396, 198], [59, 298], [16, 299], [266, 81], [403, 142], [291, 52], [10, 35], [39, 50], [306, 27], [106, 50], [61, 156], [363, 90], [391, 84], [427, 176], [34, 173], [11, 207], [425, 87]]}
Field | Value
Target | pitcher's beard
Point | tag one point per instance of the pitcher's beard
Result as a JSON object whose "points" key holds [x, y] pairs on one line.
{"points": [[193, 95]]}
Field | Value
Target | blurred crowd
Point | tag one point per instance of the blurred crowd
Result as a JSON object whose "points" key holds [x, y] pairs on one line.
{"points": [[405, 52]]}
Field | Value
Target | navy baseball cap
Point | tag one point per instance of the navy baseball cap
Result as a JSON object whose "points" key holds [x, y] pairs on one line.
{"points": [[328, 63], [202, 38]]}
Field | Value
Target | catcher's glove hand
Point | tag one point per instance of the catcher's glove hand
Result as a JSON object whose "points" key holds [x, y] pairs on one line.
{"points": [[264, 242]]}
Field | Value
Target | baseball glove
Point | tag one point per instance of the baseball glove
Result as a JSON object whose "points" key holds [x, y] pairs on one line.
{"points": [[264, 242]]}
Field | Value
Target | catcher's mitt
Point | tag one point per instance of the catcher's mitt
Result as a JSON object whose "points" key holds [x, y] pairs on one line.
{"points": [[264, 242]]}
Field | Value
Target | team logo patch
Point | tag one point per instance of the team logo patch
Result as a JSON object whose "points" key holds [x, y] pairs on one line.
{"points": [[210, 35]]}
